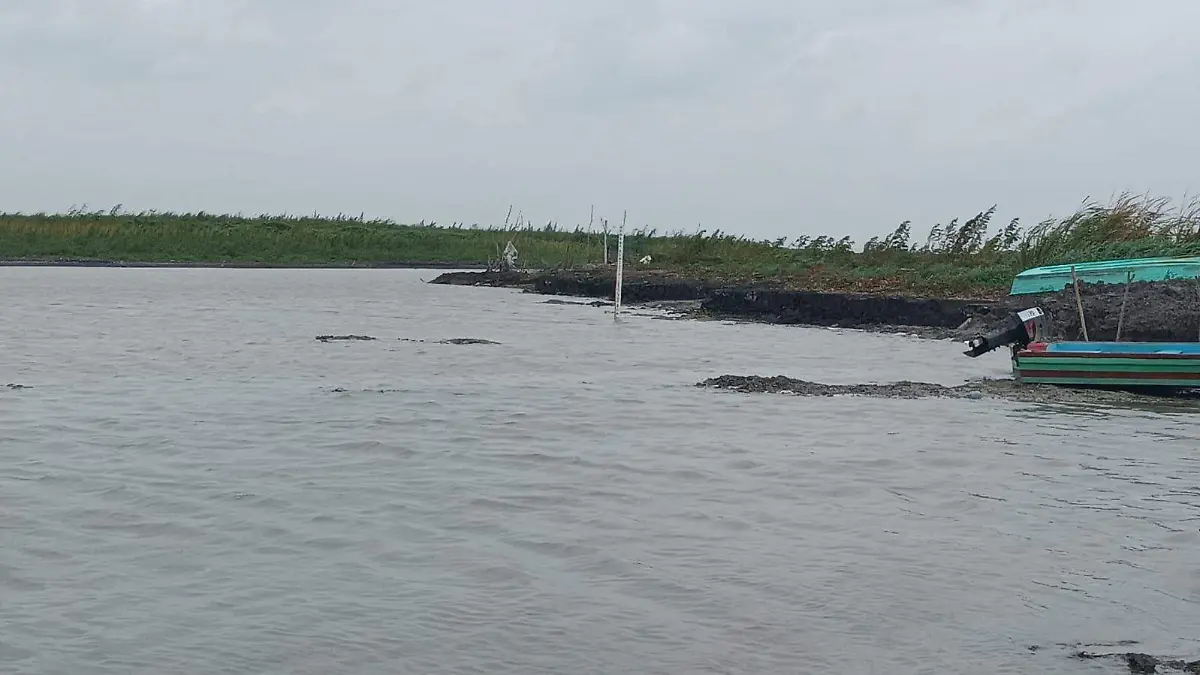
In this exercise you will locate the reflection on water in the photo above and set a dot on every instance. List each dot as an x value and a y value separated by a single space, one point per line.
193 483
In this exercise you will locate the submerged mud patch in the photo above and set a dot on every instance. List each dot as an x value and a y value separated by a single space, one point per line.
454 341
1145 663
780 384
1007 389
579 303
447 341
343 390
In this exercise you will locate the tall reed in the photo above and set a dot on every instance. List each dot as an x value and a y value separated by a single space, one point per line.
970 256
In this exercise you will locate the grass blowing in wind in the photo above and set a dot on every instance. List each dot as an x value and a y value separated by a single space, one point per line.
972 257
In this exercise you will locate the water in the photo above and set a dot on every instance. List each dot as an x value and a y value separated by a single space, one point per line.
193 484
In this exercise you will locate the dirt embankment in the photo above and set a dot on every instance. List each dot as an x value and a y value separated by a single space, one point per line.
751 302
848 310
1163 311
487 278
599 284
635 289
1155 311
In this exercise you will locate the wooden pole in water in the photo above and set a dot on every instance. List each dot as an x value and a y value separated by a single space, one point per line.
1079 305
1124 299
620 267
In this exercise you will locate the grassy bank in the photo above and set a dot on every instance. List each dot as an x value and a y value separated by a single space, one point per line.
971 257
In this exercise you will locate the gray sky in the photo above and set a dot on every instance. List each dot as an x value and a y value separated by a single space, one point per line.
762 117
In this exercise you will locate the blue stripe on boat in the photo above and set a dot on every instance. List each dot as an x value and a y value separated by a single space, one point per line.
1124 347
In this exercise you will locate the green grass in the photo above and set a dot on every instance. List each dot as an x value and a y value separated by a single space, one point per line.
282 240
967 258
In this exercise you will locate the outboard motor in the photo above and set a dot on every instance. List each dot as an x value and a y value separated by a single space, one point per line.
1019 330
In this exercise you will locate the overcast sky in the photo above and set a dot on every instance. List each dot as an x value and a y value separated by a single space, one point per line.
763 117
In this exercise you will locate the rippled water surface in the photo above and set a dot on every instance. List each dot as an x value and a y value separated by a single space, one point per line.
193 484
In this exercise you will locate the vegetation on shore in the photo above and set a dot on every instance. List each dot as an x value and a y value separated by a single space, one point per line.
967 258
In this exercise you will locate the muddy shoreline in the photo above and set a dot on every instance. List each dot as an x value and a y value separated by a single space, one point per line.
934 318
1154 311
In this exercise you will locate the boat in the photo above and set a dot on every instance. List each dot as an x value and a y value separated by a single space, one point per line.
1107 365
1053 278
1158 365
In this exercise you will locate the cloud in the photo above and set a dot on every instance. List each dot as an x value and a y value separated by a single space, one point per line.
981 76
768 117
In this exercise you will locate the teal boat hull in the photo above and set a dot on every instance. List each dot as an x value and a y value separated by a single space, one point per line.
1140 365
1053 278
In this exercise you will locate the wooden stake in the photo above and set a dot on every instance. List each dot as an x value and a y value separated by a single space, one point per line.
1124 298
1079 305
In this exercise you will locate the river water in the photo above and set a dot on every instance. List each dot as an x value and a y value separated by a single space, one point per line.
192 484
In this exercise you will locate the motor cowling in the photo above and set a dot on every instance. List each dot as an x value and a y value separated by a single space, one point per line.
1018 330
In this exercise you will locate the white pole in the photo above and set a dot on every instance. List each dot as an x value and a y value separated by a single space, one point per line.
620 269
605 221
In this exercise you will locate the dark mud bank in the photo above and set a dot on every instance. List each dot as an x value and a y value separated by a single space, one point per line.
584 284
633 290
486 278
848 310
587 284
1154 311
756 303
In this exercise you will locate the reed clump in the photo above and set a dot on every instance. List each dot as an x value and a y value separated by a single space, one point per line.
971 257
